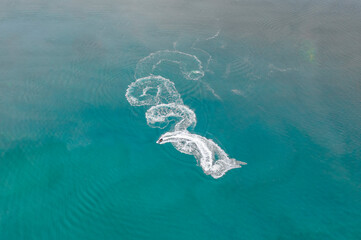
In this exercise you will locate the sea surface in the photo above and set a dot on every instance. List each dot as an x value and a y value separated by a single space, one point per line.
280 91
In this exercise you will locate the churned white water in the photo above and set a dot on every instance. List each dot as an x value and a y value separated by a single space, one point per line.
167 104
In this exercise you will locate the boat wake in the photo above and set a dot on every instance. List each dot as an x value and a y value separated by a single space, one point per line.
161 113
190 65
213 160
167 106
152 90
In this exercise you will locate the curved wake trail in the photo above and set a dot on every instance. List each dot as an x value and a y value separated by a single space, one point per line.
160 114
152 90
190 65
213 160
167 104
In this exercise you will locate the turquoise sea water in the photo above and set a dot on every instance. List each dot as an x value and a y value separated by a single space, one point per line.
281 91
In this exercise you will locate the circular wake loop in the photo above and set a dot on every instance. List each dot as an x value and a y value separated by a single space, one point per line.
190 65
159 115
167 106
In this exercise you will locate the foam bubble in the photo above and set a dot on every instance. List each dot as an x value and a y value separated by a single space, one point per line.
213 160
152 90
160 116
190 65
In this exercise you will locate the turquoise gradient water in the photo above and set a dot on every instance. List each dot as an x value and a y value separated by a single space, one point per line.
281 92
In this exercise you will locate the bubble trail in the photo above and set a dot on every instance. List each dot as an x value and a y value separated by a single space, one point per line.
152 90
190 65
167 105
213 160
161 114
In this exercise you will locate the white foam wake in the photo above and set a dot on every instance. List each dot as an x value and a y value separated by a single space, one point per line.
213 160
190 65
167 105
160 116
152 90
